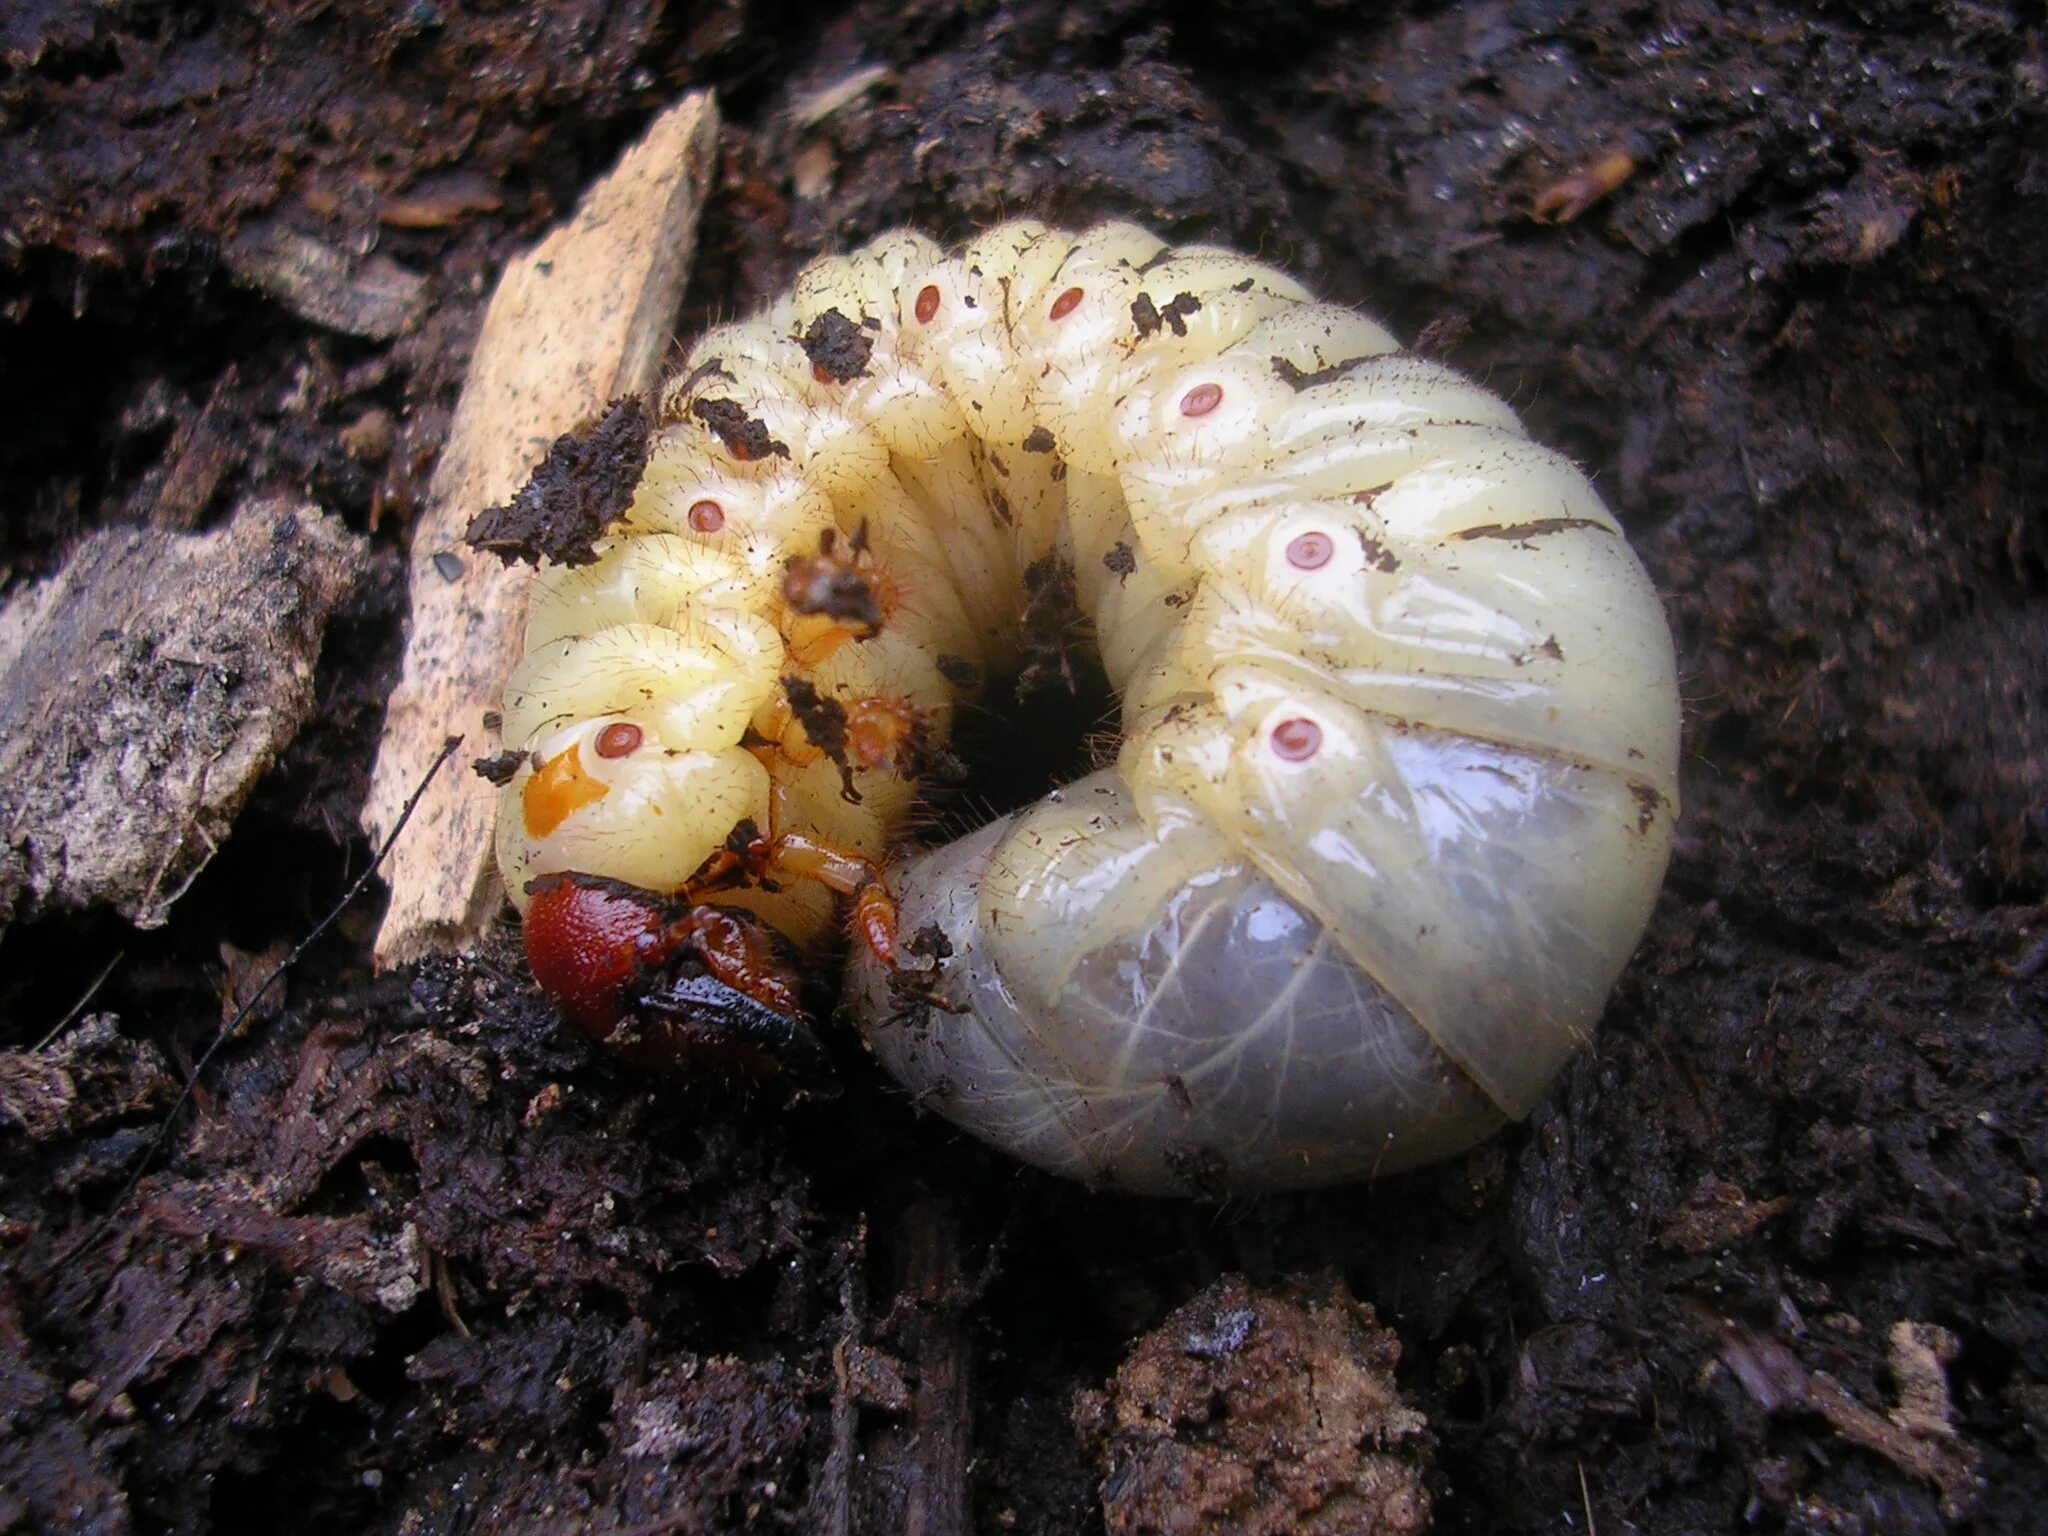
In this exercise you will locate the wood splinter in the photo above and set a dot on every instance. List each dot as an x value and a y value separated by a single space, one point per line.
579 321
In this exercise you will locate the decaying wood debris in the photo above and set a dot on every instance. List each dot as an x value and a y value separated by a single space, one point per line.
1252 1414
143 691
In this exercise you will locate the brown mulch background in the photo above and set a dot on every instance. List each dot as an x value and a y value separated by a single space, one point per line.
417 1262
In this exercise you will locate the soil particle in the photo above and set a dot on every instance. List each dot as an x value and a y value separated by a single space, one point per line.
823 719
685 1443
744 437
837 347
835 584
1149 318
500 768
1257 1413
1050 622
89 1074
581 488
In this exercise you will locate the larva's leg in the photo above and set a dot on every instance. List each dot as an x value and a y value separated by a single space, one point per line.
874 922
813 638
802 856
782 855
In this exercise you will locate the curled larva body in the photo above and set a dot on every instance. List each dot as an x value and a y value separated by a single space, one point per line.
1400 720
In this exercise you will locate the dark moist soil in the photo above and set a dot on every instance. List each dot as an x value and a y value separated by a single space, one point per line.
416 1261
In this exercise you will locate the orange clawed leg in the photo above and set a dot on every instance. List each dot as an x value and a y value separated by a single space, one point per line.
799 855
874 923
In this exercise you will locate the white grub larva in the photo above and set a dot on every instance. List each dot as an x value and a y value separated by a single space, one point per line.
1400 722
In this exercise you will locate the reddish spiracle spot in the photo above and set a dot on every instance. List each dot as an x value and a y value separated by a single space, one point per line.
621 738
1310 551
706 517
822 374
586 944
1066 304
1297 740
927 304
1201 400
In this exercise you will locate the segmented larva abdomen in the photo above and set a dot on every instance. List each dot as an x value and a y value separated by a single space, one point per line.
1398 771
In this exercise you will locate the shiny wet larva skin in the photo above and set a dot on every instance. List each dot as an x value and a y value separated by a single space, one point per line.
1400 722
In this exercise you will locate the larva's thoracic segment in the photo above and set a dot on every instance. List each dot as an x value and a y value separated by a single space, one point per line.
1396 788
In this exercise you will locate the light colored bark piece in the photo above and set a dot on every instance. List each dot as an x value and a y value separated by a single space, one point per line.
376 298
144 689
576 323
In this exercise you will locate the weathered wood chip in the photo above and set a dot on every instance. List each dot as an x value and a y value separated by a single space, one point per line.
375 298
144 689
